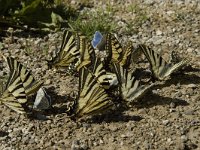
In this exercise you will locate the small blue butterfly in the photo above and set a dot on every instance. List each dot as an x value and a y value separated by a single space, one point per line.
97 39
42 100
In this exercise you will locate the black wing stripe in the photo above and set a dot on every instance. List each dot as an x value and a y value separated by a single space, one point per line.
13 72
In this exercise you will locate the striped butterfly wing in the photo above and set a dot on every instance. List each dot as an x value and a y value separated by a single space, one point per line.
117 50
14 95
106 79
92 97
30 85
13 67
86 52
126 56
129 86
68 52
113 48
160 68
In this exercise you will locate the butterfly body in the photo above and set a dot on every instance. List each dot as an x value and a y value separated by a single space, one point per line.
105 79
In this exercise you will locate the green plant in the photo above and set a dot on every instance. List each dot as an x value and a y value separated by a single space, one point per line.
35 13
89 22
133 8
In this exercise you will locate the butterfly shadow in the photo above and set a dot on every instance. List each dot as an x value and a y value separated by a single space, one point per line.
114 116
185 76
184 79
3 133
56 99
189 68
155 100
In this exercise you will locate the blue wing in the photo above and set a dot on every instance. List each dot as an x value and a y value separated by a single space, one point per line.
97 39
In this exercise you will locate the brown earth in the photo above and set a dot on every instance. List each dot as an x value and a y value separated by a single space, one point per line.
167 117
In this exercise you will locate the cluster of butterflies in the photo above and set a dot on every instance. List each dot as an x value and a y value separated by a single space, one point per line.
102 79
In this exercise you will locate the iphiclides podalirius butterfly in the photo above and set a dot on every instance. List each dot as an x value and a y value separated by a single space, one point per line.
13 94
92 98
68 53
30 84
129 87
42 100
86 52
160 68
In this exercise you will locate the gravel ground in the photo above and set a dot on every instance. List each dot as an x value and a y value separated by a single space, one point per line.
168 117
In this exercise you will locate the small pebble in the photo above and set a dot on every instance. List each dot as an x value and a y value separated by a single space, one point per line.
189 112
165 122
184 138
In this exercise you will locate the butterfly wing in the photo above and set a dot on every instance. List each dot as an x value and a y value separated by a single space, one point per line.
110 44
126 56
42 100
130 87
96 39
170 68
30 84
117 50
86 52
106 79
68 52
92 98
160 68
113 48
14 95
